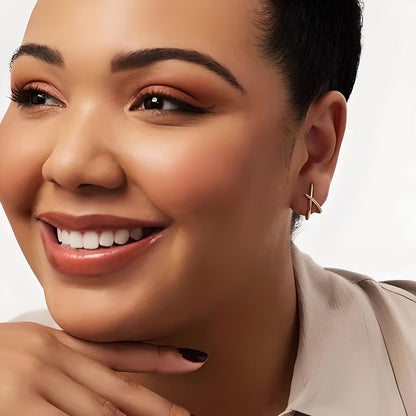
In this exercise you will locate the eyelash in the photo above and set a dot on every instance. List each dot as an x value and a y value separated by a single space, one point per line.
24 96
163 94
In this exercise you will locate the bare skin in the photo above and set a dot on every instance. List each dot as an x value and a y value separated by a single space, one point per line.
221 280
46 372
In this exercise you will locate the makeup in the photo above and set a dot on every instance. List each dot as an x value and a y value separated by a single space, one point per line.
101 258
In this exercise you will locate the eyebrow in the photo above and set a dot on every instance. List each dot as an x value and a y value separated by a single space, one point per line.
145 57
42 52
134 60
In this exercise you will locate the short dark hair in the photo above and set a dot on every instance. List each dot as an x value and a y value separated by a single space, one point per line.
315 44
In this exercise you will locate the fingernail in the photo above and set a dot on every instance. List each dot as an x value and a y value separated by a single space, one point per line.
193 355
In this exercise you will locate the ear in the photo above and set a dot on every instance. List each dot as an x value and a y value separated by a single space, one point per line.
317 149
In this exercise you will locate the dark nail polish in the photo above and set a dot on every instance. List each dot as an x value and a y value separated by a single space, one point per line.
193 355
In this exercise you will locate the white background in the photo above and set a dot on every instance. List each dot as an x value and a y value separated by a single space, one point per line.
369 220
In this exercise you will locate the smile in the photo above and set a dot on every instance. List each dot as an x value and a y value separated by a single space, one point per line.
95 245
92 240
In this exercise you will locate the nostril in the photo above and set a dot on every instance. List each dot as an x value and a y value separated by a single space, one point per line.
84 166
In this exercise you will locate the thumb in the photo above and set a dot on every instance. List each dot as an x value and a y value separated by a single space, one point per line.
136 356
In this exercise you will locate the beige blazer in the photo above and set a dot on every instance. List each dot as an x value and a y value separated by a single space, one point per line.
357 343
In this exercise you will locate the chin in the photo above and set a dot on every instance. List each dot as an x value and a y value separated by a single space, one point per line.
98 325
88 327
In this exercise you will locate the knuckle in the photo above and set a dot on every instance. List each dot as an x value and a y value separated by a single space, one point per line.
175 410
29 374
9 395
159 357
128 383
108 409
37 338
21 331
30 365
164 354
22 378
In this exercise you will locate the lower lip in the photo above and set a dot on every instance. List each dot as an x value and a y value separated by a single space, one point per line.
101 261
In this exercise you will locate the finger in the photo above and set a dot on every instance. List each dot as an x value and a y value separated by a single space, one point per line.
127 396
134 356
44 409
72 398
34 406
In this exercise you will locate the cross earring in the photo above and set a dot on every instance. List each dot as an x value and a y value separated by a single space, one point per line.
313 201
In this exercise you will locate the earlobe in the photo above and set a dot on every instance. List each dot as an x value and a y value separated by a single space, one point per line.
323 131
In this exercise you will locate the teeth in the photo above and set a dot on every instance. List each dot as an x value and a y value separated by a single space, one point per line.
122 236
91 240
59 235
65 238
75 239
107 239
136 234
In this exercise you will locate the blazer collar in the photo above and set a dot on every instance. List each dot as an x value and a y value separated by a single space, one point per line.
342 366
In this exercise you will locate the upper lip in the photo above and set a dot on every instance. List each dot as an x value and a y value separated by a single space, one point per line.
95 222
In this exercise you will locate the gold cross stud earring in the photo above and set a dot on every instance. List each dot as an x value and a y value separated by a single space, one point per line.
313 201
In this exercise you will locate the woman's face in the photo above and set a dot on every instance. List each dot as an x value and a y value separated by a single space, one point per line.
108 124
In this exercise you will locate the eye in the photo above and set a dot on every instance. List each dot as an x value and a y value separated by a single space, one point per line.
34 97
163 102
157 102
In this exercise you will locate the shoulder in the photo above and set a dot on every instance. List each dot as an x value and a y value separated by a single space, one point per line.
392 302
394 305
399 296
370 324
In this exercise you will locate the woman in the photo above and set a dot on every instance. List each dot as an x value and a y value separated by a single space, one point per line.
160 150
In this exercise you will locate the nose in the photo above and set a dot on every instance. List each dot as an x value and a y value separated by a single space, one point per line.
83 154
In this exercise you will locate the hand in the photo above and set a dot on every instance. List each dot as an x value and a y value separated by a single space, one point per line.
47 372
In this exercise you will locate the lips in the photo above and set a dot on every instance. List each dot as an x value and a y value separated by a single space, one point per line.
95 222
100 261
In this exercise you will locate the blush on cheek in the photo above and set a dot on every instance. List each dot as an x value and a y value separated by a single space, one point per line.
20 166
199 178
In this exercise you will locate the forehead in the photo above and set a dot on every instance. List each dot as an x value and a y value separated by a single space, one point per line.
221 26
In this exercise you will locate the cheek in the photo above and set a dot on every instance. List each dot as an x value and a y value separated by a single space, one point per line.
21 159
21 155
197 170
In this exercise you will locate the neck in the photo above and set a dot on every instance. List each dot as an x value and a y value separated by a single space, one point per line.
251 344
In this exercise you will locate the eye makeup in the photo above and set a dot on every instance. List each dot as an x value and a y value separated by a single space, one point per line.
164 99
33 97
156 99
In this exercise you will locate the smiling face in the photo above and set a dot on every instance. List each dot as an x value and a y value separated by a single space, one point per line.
193 138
